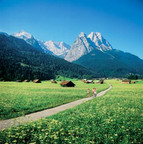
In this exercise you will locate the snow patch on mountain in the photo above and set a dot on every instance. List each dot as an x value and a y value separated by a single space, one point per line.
80 47
101 43
59 49
23 35
85 44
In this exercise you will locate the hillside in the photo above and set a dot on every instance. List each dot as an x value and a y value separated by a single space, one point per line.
19 60
113 63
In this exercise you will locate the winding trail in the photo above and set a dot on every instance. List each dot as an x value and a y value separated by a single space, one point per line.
45 113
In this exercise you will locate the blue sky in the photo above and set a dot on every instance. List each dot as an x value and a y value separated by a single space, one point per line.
120 22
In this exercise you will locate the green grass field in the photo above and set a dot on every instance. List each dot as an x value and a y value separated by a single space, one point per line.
114 118
18 99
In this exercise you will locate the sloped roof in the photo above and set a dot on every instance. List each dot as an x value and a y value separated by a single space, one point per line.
65 82
36 80
126 80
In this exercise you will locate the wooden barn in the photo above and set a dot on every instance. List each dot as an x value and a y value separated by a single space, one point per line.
101 81
26 80
37 81
83 80
133 82
67 84
53 81
126 81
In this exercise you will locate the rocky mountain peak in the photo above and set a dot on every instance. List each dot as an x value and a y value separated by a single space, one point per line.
82 34
23 35
99 41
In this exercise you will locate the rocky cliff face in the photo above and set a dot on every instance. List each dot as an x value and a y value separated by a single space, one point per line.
80 47
101 43
85 44
59 49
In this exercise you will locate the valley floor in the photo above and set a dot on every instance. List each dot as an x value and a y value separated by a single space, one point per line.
45 113
17 99
114 118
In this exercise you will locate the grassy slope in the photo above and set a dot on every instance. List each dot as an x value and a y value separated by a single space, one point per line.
113 118
113 63
17 99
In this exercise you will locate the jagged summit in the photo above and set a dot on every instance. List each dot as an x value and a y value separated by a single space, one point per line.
59 49
80 47
99 41
23 35
83 45
30 39
92 34
82 34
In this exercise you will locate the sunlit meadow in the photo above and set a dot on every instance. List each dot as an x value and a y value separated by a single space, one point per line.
115 117
18 99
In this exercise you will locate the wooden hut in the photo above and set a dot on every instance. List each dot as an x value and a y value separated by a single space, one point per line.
133 82
101 81
83 80
26 80
37 81
125 81
53 81
67 84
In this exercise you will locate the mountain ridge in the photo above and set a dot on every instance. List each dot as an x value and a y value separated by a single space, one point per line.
113 63
85 44
86 50
58 49
19 60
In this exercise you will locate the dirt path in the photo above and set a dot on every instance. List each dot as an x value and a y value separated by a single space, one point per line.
45 113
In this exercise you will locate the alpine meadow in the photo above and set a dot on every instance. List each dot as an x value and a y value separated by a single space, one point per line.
113 118
71 72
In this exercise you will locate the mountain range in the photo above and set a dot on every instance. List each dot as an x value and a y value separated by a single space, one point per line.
92 51
20 60
59 49
96 53
85 44
22 56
